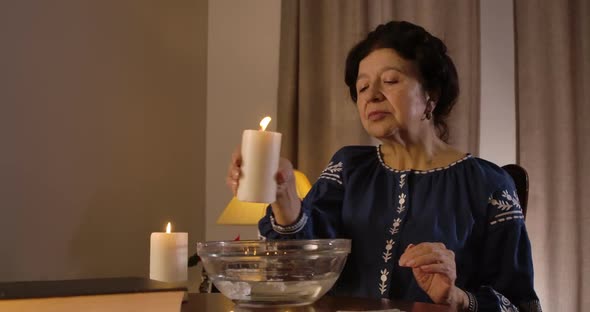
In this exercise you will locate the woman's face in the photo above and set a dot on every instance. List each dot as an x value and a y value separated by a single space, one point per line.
390 98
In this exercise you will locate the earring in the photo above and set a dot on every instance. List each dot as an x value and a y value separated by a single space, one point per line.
428 112
427 116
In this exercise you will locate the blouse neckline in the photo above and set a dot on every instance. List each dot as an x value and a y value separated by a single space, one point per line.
467 156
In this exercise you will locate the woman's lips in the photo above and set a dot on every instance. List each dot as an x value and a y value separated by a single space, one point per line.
373 116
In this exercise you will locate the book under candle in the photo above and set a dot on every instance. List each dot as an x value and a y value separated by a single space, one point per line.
127 294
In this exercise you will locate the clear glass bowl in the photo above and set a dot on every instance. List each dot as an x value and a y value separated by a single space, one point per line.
274 273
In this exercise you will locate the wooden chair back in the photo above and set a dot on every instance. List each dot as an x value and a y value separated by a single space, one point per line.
521 181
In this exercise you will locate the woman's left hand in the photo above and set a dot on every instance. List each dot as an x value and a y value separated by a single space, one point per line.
434 269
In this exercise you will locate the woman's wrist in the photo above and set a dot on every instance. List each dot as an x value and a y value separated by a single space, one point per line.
287 207
286 216
459 299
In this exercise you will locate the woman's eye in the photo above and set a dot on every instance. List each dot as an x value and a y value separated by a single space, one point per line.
361 89
390 81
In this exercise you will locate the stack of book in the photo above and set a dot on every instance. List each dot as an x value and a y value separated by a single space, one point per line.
127 294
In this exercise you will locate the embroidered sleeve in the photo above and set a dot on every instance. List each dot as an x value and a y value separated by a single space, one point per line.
333 172
504 206
291 229
488 299
505 273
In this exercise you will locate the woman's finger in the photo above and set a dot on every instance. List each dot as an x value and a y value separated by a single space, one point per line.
413 251
233 171
232 184
236 156
440 268
420 260
412 255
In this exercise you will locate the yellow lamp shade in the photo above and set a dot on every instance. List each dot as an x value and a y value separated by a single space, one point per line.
244 213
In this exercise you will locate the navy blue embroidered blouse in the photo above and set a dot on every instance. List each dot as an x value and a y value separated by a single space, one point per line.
471 206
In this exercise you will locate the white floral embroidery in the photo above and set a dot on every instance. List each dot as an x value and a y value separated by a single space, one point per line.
383 283
332 168
509 207
395 226
333 172
393 230
505 205
505 304
402 201
387 252
512 198
501 204
507 195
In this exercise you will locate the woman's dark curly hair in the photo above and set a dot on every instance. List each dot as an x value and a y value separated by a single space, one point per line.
413 43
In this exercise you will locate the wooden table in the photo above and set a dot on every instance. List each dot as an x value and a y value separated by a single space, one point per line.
218 303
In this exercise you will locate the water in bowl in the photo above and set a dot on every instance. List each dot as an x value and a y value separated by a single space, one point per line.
254 293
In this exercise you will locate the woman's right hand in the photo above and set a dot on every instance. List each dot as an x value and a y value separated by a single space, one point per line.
287 207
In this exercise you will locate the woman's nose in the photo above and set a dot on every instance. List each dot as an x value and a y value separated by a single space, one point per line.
375 95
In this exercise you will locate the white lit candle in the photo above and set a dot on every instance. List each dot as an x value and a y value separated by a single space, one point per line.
168 256
260 161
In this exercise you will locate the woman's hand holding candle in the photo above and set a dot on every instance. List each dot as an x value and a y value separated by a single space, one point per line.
287 206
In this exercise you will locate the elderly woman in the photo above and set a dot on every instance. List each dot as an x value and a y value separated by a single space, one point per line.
427 222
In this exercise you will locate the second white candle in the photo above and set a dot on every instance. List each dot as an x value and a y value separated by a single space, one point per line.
260 162
169 256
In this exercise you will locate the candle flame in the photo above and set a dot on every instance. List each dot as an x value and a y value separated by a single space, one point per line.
264 123
168 228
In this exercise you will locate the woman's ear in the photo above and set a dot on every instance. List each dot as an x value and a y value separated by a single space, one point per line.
430 102
432 99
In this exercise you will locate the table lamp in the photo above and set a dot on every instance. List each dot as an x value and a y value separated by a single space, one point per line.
245 213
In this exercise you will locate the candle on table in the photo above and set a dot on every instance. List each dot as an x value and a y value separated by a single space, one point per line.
260 161
168 256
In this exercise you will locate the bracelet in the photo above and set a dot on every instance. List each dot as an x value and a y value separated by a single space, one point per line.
290 229
472 302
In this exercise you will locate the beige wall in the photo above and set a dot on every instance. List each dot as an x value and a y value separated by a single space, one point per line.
242 82
102 129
